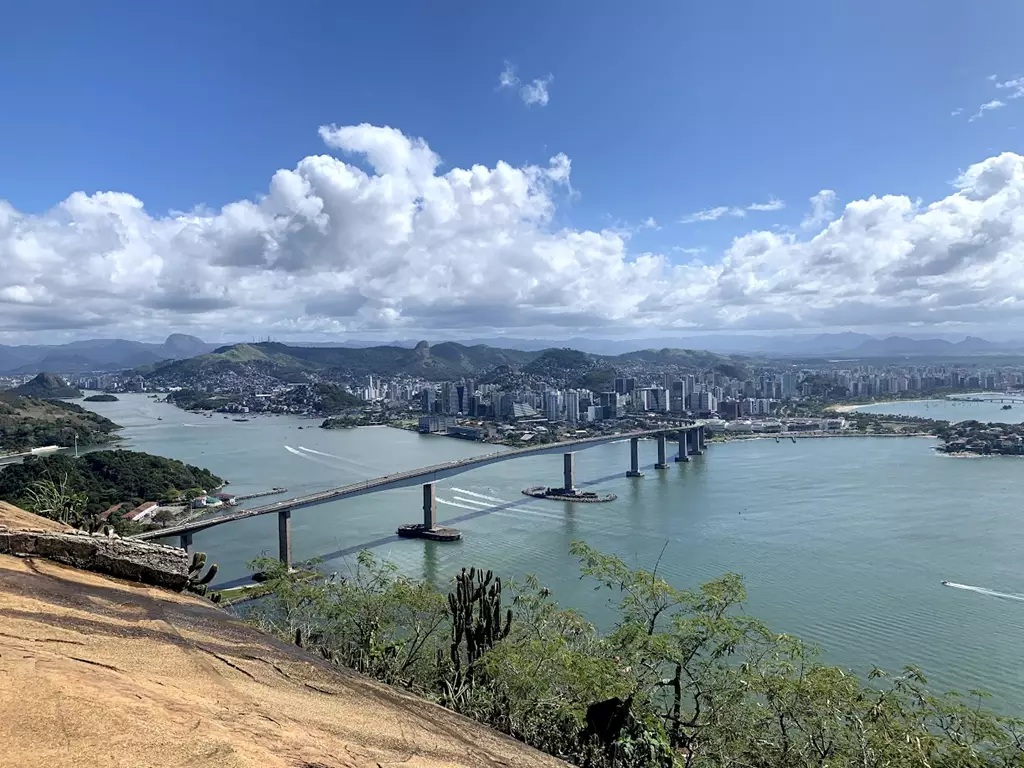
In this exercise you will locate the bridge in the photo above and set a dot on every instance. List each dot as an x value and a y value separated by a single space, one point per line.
691 440
966 399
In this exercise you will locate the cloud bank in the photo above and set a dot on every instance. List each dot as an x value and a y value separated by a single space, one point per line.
407 250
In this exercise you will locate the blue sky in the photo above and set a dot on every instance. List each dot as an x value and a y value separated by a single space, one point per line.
664 108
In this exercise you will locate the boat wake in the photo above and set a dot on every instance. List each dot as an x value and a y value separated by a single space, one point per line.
983 591
307 457
336 458
479 495
318 453
453 504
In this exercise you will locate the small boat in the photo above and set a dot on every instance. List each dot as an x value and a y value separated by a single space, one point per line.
945 583
1006 408
239 419
159 418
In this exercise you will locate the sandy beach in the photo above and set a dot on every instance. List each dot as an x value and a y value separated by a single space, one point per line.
848 408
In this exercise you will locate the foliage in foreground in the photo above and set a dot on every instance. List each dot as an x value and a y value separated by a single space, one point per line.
684 678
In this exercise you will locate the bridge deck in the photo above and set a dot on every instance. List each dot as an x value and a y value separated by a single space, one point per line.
403 479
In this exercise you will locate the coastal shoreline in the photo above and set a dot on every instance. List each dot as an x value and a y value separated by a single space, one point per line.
816 436
854 407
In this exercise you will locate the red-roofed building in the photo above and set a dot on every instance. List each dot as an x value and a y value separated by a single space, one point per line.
144 510
108 512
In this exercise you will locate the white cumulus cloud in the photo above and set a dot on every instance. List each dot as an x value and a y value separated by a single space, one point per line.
821 210
399 245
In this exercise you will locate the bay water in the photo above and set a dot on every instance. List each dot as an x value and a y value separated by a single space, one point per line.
842 541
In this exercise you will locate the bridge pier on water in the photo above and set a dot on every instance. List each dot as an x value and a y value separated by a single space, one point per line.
684 452
634 458
284 536
185 541
662 452
569 471
429 506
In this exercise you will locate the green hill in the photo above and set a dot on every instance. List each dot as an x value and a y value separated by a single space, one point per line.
27 422
49 387
440 362
106 477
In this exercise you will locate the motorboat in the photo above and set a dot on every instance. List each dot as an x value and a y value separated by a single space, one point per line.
945 583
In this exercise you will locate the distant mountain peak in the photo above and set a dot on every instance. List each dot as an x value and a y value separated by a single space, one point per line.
47 386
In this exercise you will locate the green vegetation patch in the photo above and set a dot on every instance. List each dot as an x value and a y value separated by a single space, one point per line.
106 478
28 422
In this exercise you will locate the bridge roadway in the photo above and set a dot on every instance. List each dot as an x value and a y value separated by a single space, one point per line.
410 477
966 399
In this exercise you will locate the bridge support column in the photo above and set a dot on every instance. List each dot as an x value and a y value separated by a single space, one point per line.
429 506
700 439
284 537
569 471
662 452
684 453
634 458
185 542
695 441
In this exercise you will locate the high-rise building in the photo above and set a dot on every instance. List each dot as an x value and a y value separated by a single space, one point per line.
449 398
428 397
552 408
572 406
657 400
788 384
677 398
505 401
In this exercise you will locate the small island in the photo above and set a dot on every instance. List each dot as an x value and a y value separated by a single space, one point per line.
345 422
103 397
569 494
974 438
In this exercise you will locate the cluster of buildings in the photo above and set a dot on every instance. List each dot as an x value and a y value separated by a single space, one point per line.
700 395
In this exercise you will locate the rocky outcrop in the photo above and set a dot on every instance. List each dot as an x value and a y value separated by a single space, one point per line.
96 672
138 561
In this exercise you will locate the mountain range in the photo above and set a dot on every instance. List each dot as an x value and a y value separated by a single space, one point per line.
445 361
847 343
97 355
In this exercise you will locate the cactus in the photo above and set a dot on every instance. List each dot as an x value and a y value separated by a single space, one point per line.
198 581
477 624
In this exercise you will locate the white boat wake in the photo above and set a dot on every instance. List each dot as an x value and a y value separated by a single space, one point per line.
983 591
353 462
318 453
462 506
479 495
491 501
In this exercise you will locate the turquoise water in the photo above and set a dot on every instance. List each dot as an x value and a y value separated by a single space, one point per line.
951 410
842 541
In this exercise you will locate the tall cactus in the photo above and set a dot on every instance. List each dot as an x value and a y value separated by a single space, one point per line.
197 580
476 612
